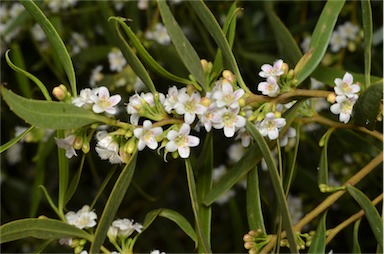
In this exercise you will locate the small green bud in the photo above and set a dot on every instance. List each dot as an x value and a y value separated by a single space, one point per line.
78 249
78 143
85 148
60 92
228 75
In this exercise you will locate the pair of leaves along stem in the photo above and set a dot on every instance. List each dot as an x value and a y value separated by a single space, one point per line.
55 115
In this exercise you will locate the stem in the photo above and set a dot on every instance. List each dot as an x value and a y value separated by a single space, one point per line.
333 232
329 200
326 121
284 97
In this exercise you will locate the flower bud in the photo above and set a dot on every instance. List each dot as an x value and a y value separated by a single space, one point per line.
78 249
123 155
248 238
285 68
227 74
205 101
331 98
351 46
43 217
291 74
253 251
277 114
241 102
249 245
207 66
130 146
78 143
60 92
85 148
190 89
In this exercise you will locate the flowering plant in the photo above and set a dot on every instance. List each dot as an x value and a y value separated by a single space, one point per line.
269 132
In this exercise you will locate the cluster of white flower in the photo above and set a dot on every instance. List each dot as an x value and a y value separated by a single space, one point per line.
118 233
159 34
346 97
116 60
342 35
221 108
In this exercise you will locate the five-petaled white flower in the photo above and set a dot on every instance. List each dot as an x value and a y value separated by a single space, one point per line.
84 99
67 144
345 86
147 135
84 218
229 120
172 98
270 126
181 141
268 70
189 106
104 102
226 97
344 106
270 87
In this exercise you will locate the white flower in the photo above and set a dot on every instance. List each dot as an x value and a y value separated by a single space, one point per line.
344 106
13 154
84 99
346 86
229 120
84 218
235 152
291 133
227 97
96 75
172 98
205 119
78 42
304 45
348 30
160 34
218 173
272 71
116 60
38 33
142 4
337 41
16 9
189 106
103 102
181 141
147 135
107 148
67 144
245 137
269 88
270 126
84 252
124 227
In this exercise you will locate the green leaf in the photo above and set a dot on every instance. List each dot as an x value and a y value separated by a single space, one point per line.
203 245
131 57
183 47
39 84
22 80
173 216
55 40
42 247
148 59
368 106
50 114
356 246
63 174
13 141
288 48
276 183
319 39
323 165
319 239
217 34
41 229
371 213
113 204
254 210
366 14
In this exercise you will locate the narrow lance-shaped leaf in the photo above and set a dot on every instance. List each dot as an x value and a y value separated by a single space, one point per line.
276 183
39 84
323 165
318 242
55 40
366 14
254 210
113 204
174 216
10 143
356 246
41 229
371 213
319 39
50 114
288 47
63 174
183 47
131 57
148 59
217 34
203 245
